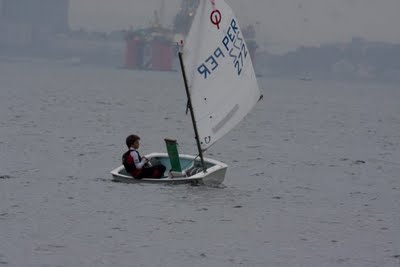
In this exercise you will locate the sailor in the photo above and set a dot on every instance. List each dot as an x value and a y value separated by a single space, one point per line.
139 167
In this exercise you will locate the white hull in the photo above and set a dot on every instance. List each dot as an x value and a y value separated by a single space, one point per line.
215 171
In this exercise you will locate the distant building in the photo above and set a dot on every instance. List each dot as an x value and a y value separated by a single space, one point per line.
53 13
26 22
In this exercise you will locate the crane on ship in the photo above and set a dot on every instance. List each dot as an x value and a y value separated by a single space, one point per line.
183 19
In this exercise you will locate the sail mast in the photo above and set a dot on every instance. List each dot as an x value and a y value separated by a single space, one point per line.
191 111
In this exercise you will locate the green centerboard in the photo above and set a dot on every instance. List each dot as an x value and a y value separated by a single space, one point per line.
172 149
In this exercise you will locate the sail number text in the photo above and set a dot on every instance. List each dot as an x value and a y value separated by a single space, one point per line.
233 45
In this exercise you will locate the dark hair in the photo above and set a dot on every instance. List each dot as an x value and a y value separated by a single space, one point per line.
131 139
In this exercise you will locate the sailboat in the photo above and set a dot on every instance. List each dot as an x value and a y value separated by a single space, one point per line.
221 89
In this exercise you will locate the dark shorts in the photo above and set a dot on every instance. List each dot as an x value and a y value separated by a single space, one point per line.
156 171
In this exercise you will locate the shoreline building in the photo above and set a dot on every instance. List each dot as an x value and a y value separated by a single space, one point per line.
26 23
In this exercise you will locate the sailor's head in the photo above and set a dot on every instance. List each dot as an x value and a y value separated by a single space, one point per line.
132 141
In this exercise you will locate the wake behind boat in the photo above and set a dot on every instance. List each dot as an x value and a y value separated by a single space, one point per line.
221 89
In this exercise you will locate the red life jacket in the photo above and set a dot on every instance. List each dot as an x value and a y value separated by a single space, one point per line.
129 163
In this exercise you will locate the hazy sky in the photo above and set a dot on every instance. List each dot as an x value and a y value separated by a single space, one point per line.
283 22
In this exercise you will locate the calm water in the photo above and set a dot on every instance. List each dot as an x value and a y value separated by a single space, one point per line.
313 177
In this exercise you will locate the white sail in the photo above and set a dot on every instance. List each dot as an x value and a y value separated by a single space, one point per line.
219 71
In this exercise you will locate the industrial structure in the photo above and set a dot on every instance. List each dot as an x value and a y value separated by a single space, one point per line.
150 48
154 48
31 28
183 19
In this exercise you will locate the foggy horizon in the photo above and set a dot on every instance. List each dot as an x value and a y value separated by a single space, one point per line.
306 22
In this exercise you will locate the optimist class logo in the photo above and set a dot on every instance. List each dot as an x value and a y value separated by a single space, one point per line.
215 16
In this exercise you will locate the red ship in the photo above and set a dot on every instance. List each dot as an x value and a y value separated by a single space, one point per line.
154 48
